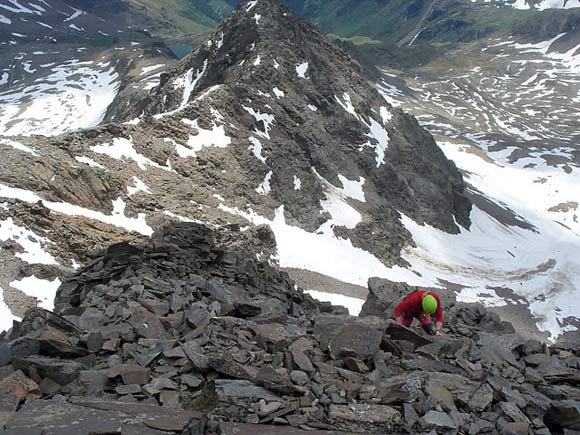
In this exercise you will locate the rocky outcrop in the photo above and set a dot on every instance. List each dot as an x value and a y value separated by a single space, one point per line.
182 336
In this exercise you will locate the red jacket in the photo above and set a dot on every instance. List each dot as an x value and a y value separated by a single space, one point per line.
412 306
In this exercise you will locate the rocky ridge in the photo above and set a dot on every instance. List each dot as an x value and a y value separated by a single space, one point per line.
179 335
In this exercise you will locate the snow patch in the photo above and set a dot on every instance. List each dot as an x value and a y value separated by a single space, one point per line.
148 69
264 118
214 137
301 70
18 146
88 161
138 186
352 188
256 148
41 289
264 188
378 132
297 183
6 316
278 93
188 82
347 104
31 243
121 149
117 218
342 213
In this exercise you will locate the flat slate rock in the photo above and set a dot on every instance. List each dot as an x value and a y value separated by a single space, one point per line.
152 416
261 429
62 418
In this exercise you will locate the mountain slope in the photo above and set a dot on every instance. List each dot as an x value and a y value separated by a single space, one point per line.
267 122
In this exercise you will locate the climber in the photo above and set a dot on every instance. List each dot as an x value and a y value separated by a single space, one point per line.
421 305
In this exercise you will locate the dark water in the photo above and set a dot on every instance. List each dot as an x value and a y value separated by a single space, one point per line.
180 50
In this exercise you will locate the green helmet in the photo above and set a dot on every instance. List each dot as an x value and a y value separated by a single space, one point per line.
429 304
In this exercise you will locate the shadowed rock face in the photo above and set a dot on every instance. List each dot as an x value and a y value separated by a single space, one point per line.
181 336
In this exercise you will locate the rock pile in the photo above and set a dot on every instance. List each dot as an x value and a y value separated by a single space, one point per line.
181 336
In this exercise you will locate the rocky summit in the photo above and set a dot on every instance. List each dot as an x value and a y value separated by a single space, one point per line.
181 336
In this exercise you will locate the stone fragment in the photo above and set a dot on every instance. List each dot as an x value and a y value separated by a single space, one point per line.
513 412
363 340
191 381
229 428
130 374
268 408
174 353
153 416
49 387
400 332
92 417
147 324
60 371
411 416
364 417
271 337
303 362
299 378
437 420
563 414
441 396
158 384
356 365
21 386
232 390
94 382
123 390
537 359
399 389
169 399
196 355
480 426
246 309
197 317
481 399
515 429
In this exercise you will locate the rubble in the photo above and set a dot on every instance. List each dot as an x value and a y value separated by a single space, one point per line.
167 338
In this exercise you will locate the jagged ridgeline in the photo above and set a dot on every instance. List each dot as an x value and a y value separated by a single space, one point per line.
182 336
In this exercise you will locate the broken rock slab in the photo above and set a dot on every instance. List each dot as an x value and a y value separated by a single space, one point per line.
400 332
60 371
232 390
63 418
438 421
363 340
